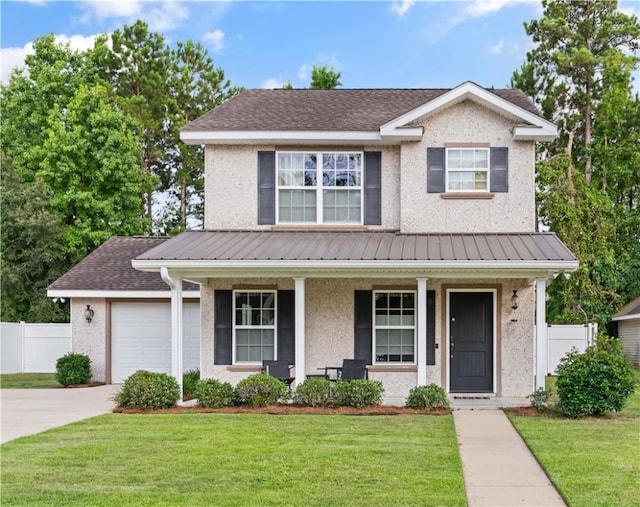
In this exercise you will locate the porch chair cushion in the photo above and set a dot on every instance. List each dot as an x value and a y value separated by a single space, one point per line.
279 369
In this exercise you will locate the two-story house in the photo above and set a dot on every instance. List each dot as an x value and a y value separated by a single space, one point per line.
394 225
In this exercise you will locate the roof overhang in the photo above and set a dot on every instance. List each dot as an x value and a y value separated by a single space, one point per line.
117 294
632 316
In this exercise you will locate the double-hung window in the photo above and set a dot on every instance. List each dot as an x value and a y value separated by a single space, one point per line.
467 169
394 326
319 187
254 326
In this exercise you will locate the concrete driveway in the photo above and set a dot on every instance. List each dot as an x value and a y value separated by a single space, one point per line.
30 411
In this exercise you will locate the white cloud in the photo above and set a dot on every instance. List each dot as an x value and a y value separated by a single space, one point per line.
304 72
480 8
497 48
401 8
13 57
271 83
166 16
102 9
215 38
160 16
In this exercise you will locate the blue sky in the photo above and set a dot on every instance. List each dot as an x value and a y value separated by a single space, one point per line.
375 44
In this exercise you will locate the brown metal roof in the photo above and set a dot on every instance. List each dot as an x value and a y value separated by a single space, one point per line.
631 308
108 267
345 110
231 245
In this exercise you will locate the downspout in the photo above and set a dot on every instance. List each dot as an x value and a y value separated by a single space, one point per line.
176 326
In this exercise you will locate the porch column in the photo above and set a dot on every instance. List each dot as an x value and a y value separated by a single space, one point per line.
421 331
300 338
175 284
541 333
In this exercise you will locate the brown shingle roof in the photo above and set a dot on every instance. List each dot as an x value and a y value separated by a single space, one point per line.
345 110
108 267
359 245
631 308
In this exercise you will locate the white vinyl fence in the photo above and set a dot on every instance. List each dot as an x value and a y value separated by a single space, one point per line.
32 348
562 338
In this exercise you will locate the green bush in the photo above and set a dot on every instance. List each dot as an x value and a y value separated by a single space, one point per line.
73 369
427 397
540 399
316 392
213 393
189 381
145 389
359 393
260 390
598 381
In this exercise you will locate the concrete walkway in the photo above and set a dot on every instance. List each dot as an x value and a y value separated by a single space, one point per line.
30 411
498 468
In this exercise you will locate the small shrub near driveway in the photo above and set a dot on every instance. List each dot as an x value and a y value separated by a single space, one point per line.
189 380
212 393
145 389
316 392
73 369
430 397
260 390
598 381
540 399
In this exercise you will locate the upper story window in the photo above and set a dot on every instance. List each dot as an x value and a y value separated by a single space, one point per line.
467 169
319 187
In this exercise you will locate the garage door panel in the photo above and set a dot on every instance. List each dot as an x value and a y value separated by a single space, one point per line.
141 338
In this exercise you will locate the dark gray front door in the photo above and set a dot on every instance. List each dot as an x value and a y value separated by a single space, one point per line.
471 341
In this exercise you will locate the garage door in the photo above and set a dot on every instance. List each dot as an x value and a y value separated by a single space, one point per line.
141 338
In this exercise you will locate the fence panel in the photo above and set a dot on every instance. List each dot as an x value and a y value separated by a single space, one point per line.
11 348
562 338
33 348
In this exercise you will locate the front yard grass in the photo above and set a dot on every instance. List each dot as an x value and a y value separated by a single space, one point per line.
28 381
592 461
233 459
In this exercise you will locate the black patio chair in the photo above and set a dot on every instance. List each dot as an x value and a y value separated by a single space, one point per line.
351 369
279 369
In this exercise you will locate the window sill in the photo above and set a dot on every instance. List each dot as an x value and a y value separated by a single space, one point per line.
245 367
409 368
319 227
467 195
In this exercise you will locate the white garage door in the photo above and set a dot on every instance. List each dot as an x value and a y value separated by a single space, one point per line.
141 338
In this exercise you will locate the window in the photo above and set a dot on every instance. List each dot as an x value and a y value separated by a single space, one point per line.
254 326
319 187
394 327
467 169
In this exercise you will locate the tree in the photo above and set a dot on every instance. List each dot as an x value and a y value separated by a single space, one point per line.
325 78
579 74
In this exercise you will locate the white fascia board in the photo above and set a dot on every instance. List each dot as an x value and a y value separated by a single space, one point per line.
535 133
477 94
117 294
632 316
278 136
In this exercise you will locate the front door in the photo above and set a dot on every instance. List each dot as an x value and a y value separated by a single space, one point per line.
471 342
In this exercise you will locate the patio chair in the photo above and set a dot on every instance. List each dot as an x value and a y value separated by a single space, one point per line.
280 370
351 369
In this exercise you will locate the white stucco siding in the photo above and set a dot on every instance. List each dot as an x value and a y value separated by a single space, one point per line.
90 338
467 122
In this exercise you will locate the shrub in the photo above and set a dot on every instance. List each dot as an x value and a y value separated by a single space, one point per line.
260 390
598 381
316 392
427 397
145 389
73 369
359 393
540 399
213 393
189 381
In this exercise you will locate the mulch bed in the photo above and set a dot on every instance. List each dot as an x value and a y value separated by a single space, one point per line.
90 384
287 410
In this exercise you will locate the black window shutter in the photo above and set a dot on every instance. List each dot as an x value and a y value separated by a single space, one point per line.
223 319
363 321
266 187
499 170
435 170
431 327
287 326
372 188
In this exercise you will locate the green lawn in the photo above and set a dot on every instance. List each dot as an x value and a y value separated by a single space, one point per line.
232 459
594 461
28 380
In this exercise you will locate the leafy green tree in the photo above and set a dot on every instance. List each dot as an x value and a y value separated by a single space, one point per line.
579 74
325 78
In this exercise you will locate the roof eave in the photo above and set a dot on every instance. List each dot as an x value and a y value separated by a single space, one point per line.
631 316
198 137
117 294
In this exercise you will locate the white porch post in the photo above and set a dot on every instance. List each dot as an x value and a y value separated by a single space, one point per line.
175 284
300 338
541 333
422 332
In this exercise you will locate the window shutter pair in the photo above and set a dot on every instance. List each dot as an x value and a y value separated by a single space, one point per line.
363 326
223 326
372 189
499 170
